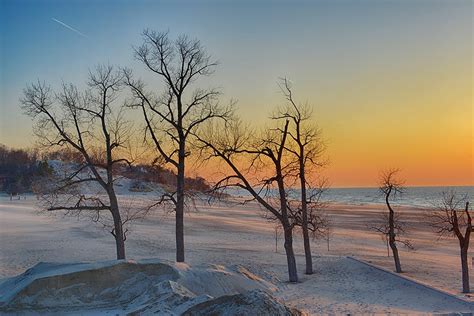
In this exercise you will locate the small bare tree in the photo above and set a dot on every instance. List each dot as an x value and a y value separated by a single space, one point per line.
328 232
382 226
174 115
453 218
307 149
317 220
319 223
277 229
89 124
234 145
390 187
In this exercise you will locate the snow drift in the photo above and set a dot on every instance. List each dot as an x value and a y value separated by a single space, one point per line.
254 302
143 287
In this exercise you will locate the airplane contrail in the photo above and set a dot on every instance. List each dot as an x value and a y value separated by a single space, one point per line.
69 27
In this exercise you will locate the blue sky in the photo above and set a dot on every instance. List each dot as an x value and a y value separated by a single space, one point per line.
354 60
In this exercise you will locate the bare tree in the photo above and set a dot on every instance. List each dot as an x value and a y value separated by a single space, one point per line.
390 187
319 223
277 229
382 226
328 232
307 149
450 219
174 115
234 145
89 124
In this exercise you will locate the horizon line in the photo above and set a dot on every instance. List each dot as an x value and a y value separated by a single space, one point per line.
406 186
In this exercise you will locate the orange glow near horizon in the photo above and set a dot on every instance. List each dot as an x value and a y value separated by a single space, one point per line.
418 120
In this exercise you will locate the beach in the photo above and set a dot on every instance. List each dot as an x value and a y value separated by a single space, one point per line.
231 234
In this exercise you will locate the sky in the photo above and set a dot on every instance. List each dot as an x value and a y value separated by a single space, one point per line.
390 82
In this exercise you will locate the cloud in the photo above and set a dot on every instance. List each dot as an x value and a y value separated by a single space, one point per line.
69 27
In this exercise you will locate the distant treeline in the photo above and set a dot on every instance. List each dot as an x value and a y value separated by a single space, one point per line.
19 168
158 174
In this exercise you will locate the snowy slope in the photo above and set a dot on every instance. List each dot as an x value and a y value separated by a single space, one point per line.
120 287
123 185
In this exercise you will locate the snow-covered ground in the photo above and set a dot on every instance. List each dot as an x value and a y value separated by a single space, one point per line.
236 236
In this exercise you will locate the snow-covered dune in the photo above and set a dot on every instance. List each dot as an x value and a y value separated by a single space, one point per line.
146 287
122 185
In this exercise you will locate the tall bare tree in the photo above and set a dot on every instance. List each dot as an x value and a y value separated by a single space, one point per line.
245 154
391 186
453 218
172 116
307 148
90 124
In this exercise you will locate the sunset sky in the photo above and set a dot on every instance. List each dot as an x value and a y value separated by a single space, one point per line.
390 81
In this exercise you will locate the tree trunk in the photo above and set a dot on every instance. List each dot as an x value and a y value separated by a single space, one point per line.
392 243
307 248
118 227
119 240
180 207
465 270
304 211
276 238
396 258
115 211
306 241
290 255
391 235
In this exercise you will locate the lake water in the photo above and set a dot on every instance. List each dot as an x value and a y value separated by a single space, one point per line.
412 196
